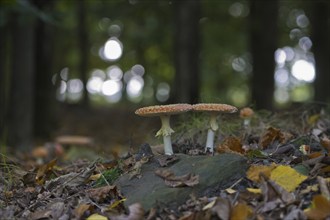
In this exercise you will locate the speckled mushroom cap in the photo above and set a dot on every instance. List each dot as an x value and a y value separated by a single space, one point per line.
158 110
213 107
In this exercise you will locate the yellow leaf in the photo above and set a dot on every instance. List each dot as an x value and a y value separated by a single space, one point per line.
95 176
320 208
241 211
255 170
116 203
230 190
313 119
209 205
253 190
97 217
287 177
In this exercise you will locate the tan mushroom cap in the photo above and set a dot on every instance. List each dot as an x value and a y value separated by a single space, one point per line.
246 112
213 107
158 110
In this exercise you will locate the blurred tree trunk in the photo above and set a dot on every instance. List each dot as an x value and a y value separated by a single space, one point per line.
3 79
45 96
83 44
186 42
20 112
320 22
263 42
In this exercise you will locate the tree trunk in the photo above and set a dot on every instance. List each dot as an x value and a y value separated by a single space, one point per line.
45 97
186 42
83 48
20 112
3 80
263 40
320 22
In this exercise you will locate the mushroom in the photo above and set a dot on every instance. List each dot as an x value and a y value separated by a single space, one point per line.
164 112
213 110
246 114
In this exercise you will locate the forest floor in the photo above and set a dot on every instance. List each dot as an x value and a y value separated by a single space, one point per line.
74 175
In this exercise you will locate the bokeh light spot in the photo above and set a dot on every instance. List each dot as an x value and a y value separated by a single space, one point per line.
303 70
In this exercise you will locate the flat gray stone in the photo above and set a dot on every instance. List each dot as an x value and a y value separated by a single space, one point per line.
215 172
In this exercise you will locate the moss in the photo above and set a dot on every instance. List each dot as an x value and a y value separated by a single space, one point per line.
108 177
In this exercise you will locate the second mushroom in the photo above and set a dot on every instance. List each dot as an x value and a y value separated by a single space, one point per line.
214 110
164 112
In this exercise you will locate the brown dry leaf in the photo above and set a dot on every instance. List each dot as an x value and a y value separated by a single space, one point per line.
320 208
273 134
272 191
136 212
222 208
233 144
255 171
81 209
101 193
71 179
315 155
165 160
44 170
241 211
325 142
177 181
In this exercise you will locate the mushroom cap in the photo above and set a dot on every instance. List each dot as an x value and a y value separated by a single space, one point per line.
159 110
214 107
246 112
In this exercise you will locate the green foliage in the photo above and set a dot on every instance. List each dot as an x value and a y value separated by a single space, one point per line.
108 177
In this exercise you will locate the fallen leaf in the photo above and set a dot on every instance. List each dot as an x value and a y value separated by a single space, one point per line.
313 119
97 217
209 205
287 177
273 134
230 191
253 190
101 193
177 181
320 208
222 208
325 142
81 210
255 171
95 177
272 191
231 144
44 170
116 203
71 179
241 211
165 160
136 212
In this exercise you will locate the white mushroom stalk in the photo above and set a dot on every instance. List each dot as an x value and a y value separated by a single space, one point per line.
211 132
166 132
164 112
213 110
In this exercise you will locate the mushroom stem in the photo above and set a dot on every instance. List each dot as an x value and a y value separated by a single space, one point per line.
209 141
166 132
167 145
213 122
166 128
246 122
210 133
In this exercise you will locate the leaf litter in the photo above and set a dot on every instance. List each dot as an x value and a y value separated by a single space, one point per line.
288 177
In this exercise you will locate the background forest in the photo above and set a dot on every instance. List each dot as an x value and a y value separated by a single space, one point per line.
56 55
